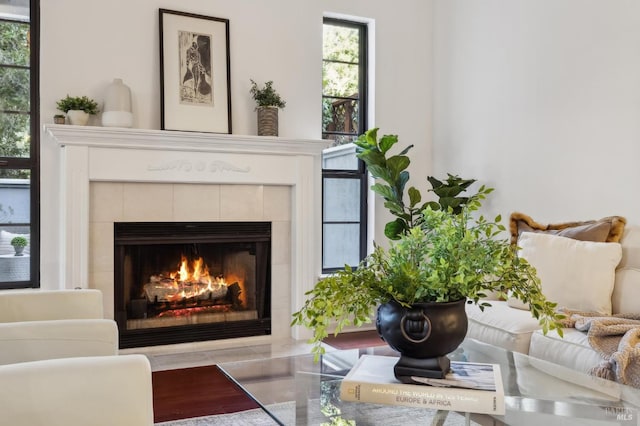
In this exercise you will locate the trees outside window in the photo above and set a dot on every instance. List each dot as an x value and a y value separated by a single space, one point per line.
344 100
19 148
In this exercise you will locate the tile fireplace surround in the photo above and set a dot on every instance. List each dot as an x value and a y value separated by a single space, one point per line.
109 175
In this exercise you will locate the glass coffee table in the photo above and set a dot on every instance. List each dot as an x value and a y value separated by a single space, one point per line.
298 391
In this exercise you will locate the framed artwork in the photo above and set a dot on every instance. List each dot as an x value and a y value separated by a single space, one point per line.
195 83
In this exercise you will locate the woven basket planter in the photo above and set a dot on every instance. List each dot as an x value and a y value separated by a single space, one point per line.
267 121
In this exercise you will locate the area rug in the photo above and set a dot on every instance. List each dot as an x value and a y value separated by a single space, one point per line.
368 414
255 417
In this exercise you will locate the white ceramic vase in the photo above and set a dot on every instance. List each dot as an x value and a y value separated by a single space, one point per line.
77 117
117 105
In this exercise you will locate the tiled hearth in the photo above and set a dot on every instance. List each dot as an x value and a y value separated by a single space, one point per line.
111 175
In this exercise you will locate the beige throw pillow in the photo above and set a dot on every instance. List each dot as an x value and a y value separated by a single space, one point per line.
608 229
574 274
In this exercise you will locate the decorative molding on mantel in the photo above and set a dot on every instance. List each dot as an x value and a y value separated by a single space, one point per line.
169 140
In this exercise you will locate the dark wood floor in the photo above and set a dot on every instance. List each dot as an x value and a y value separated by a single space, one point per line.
204 391
194 392
355 340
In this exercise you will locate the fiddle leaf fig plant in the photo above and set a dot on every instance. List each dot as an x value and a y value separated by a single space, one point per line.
392 178
437 256
448 192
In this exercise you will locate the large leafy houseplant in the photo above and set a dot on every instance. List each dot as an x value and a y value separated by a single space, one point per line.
392 176
437 254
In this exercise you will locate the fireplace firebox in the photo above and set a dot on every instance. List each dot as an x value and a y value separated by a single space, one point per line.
178 282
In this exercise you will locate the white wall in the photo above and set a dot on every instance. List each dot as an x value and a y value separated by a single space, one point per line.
541 99
85 44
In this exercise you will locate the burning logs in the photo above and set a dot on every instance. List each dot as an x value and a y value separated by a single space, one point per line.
167 289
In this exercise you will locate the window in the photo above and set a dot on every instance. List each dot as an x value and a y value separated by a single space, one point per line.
19 147
344 177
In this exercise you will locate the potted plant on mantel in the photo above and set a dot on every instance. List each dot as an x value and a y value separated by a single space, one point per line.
78 108
268 102
436 258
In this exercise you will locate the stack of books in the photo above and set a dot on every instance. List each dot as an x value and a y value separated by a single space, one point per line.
469 387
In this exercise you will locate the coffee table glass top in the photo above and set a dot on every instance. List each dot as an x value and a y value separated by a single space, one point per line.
298 391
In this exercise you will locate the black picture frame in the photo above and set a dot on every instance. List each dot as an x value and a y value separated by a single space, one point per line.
195 75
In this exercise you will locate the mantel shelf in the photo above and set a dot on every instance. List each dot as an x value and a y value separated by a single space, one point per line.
111 137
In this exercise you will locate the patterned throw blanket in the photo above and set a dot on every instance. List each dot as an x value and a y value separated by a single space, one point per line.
616 338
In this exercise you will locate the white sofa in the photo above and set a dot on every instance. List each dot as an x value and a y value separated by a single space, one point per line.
97 391
515 329
39 324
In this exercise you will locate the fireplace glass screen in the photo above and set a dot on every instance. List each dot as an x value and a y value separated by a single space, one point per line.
186 282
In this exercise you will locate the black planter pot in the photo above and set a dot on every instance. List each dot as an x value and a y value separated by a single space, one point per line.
423 334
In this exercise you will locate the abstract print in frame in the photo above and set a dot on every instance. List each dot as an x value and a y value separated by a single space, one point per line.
195 86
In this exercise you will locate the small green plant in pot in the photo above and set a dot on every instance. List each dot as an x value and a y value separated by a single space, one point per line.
435 257
78 108
268 102
19 243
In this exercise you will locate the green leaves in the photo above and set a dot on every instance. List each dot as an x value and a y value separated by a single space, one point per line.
414 197
80 103
266 96
394 229
386 142
392 175
449 190
395 166
439 252
344 298
14 93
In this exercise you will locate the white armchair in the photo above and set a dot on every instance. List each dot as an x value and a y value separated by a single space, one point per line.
97 391
38 324
57 363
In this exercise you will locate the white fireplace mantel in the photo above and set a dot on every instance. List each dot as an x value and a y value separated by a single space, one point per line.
97 154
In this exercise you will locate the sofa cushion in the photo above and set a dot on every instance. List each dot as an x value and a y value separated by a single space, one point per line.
38 340
575 274
572 350
541 379
42 305
626 291
630 247
609 229
502 326
97 391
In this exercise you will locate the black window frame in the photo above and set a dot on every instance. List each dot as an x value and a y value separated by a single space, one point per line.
360 173
32 163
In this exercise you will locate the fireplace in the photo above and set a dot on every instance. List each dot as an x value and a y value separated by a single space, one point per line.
179 282
111 175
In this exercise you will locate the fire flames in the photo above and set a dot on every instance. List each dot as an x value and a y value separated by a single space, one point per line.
188 282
